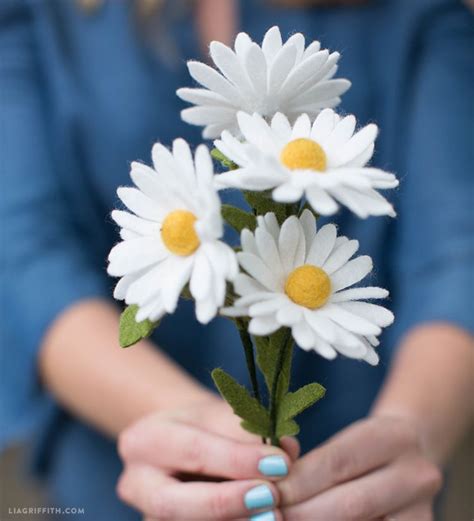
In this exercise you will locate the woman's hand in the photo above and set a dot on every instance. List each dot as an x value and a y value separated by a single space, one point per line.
373 470
198 463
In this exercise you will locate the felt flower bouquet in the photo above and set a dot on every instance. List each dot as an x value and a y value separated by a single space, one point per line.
294 158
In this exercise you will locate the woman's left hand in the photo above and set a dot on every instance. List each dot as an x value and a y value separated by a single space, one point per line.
373 470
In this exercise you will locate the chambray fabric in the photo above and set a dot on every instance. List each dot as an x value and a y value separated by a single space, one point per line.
82 95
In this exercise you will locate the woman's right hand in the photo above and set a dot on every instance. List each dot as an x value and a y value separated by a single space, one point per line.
198 464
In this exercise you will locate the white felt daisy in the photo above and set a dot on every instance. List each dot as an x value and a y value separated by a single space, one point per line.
325 161
172 236
301 278
275 77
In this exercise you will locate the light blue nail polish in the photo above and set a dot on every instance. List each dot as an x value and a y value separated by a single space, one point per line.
264 516
273 466
259 497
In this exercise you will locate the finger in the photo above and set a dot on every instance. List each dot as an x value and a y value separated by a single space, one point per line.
389 489
420 512
291 446
164 498
179 447
359 449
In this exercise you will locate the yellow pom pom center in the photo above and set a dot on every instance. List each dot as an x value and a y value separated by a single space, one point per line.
304 154
178 233
308 286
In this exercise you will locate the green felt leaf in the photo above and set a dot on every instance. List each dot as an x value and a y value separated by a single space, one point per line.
287 428
237 218
222 159
130 331
295 403
261 430
262 203
268 349
243 405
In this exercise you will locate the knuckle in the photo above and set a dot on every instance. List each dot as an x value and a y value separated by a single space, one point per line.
125 443
122 488
407 435
193 455
238 461
219 505
340 464
431 478
357 506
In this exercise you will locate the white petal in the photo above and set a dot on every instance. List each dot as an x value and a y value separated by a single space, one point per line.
351 273
340 255
376 314
359 294
206 310
289 314
255 267
322 245
280 69
256 131
266 307
206 115
302 127
203 97
347 320
302 72
323 125
140 204
242 44
324 349
231 67
201 278
270 223
204 167
248 242
212 80
281 126
134 223
263 326
268 250
321 325
308 223
121 288
303 335
133 255
174 282
271 43
288 242
321 201
184 159
256 66
371 357
358 143
287 193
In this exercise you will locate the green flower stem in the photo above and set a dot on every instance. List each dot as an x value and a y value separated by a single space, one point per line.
286 344
246 340
250 359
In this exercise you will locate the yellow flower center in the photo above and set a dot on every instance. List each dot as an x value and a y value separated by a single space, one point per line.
304 154
178 232
308 286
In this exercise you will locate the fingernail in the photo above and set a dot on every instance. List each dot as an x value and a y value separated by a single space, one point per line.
259 497
273 466
264 516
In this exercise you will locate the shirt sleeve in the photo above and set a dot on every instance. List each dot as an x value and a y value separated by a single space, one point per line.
434 261
45 266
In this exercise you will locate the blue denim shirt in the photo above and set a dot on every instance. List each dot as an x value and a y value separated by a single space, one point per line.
82 95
